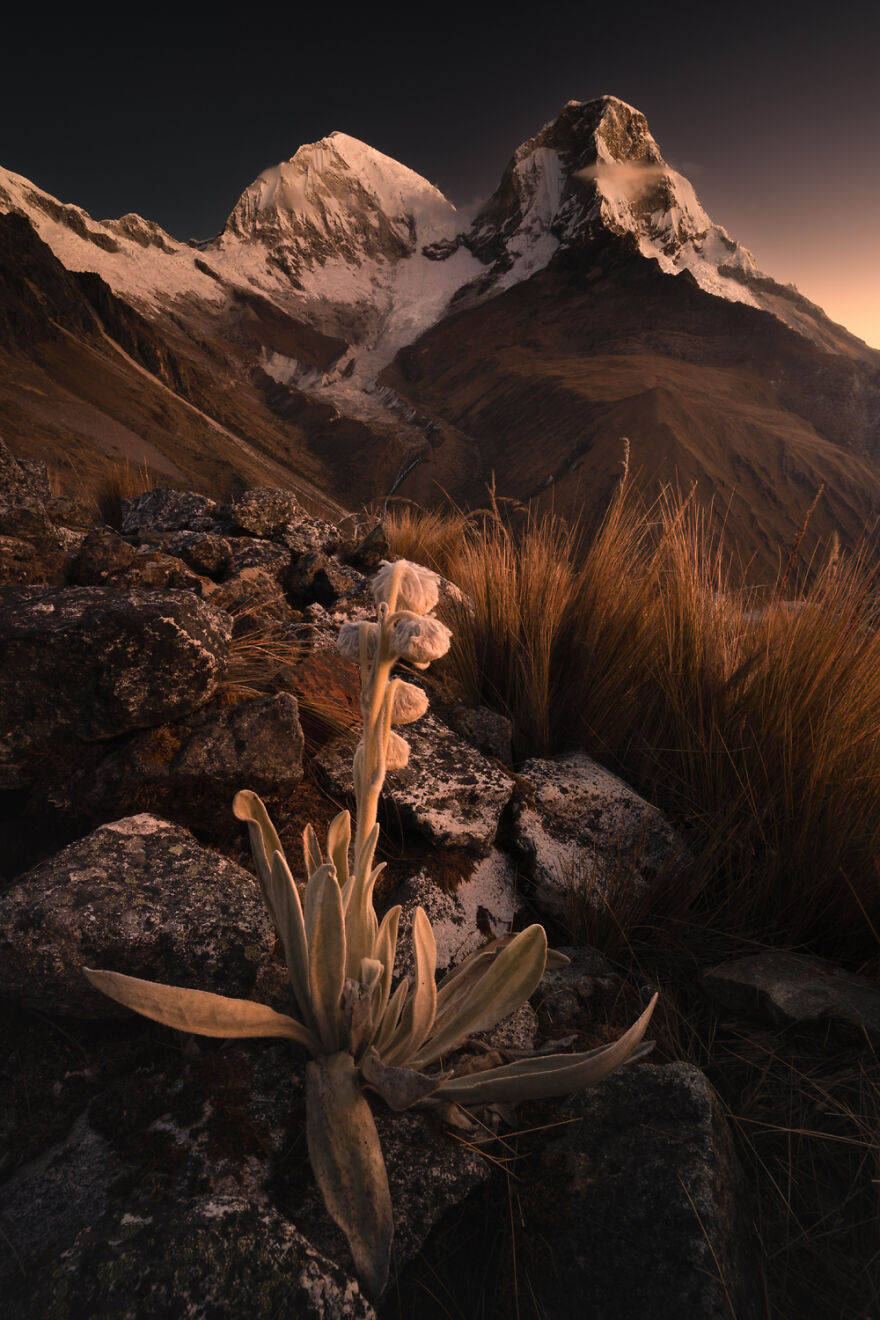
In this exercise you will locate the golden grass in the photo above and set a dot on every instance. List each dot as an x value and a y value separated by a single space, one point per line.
754 722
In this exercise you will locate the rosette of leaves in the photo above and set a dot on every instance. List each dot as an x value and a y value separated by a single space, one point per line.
361 1030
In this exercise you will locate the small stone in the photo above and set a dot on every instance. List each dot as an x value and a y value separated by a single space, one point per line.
787 988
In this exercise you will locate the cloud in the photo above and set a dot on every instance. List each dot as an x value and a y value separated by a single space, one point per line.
625 178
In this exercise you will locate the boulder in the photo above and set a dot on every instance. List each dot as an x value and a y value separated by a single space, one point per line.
639 1207
263 511
448 792
93 662
580 829
482 907
138 896
192 769
103 554
787 988
165 510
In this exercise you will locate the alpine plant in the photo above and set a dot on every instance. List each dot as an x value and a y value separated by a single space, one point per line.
361 1030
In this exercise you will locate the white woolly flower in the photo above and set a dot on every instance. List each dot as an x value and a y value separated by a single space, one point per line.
410 703
397 755
419 638
348 640
418 588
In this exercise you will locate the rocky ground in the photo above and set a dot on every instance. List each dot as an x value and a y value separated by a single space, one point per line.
148 674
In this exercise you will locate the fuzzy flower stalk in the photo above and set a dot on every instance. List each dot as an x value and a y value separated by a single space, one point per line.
360 1030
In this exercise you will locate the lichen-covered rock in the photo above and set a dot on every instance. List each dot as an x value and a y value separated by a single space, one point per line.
580 827
263 511
92 662
212 1258
206 553
102 554
489 731
482 907
165 510
207 1125
193 768
788 988
448 792
641 1206
22 509
21 562
304 535
138 896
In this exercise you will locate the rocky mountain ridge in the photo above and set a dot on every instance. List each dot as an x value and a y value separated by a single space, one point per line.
293 334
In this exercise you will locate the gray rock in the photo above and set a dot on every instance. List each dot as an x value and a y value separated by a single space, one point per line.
581 829
165 510
208 1258
482 907
102 554
138 896
787 988
193 768
448 792
22 509
642 1206
249 553
263 511
36 476
317 577
489 731
304 535
88 663
205 553
564 995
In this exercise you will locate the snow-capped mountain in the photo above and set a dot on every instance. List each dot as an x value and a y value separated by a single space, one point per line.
345 298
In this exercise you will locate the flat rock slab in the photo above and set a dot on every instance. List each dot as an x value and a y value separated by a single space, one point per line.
448 792
86 663
482 907
786 988
642 1206
206 1259
138 896
580 829
201 1128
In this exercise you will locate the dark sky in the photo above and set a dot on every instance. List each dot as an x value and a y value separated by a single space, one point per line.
171 113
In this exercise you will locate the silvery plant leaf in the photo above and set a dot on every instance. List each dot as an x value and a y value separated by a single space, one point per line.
347 1162
550 1075
326 955
284 904
198 1011
399 1087
507 981
338 841
418 1014
264 840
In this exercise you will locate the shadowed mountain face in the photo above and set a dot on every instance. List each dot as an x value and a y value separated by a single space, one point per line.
347 333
